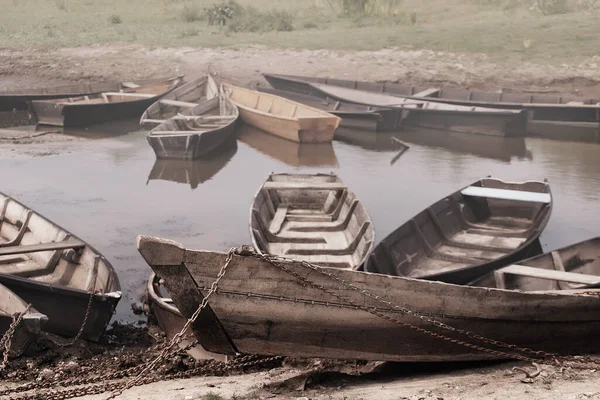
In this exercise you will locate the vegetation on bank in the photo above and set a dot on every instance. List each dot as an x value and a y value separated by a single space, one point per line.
553 30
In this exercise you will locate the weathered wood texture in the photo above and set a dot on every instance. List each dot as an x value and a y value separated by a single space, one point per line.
461 237
59 279
314 218
98 108
189 139
28 328
282 117
265 310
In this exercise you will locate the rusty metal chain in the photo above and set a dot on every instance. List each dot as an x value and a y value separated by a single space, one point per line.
72 341
278 262
179 336
6 340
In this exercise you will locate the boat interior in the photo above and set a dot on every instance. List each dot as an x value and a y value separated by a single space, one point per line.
128 91
181 99
572 267
215 113
313 218
481 223
34 248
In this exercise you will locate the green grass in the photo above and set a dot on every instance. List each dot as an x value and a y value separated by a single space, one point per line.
502 29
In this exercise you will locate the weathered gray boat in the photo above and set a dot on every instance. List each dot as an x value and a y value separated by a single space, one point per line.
128 102
354 116
60 275
172 322
291 153
417 112
27 330
478 229
197 131
292 309
184 97
551 116
314 218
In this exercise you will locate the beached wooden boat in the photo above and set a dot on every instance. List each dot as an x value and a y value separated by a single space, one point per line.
18 99
194 172
172 322
291 309
291 153
354 116
423 113
282 117
58 273
182 98
197 131
482 227
29 327
314 218
128 102
576 266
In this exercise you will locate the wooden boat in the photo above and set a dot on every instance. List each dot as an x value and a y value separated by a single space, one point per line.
29 327
193 172
282 117
576 266
182 98
128 102
354 116
540 106
58 273
291 153
314 218
19 99
420 112
373 141
172 322
475 230
197 131
295 310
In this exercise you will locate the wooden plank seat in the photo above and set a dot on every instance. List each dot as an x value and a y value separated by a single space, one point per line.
554 275
348 250
38 247
272 238
505 194
331 226
124 94
177 103
304 186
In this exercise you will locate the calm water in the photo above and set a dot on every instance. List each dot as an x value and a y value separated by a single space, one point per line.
114 190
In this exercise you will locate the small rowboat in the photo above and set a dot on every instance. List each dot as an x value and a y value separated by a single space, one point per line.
181 99
473 231
314 218
29 327
128 102
57 273
197 131
282 117
292 309
172 322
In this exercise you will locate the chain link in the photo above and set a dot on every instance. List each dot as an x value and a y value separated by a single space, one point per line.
6 340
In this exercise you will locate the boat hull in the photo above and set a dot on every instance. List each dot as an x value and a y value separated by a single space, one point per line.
266 310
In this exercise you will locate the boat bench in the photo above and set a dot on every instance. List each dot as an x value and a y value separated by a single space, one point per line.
506 194
39 247
305 186
540 273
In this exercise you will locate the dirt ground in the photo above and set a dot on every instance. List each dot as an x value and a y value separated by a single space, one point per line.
297 380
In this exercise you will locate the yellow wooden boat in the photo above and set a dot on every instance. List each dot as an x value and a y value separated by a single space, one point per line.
283 117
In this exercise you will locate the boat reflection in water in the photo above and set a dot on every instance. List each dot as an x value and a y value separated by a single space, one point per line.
493 147
286 151
194 172
98 131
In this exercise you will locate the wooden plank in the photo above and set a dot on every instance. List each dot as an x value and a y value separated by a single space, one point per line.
428 93
177 103
549 274
305 185
34 248
278 220
143 95
505 194
190 132
130 85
